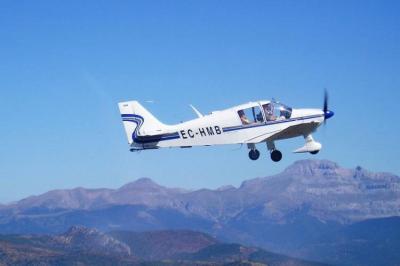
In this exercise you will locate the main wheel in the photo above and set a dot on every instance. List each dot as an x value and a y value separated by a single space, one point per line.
254 154
276 155
314 152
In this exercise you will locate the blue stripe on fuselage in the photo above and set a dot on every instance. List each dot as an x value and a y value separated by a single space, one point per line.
138 120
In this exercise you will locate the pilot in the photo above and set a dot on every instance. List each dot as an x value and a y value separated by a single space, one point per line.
243 118
269 112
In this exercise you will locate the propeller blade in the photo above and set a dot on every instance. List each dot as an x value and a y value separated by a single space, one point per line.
325 101
327 113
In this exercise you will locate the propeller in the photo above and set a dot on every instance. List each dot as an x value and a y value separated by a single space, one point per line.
326 101
327 113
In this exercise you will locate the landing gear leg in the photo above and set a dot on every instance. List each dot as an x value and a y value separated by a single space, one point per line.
276 155
254 154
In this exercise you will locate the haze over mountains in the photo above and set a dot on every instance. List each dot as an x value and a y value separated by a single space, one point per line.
299 212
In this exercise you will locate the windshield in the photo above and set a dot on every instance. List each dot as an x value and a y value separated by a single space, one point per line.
276 111
251 115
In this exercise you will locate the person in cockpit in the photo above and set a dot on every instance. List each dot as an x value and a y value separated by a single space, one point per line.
269 112
243 118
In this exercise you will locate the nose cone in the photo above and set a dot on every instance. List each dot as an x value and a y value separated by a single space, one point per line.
329 114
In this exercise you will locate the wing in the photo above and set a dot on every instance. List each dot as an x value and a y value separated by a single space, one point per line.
285 133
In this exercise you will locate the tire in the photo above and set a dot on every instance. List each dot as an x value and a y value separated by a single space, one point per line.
276 155
254 154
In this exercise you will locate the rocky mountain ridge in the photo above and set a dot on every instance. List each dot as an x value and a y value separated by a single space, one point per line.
298 212
329 192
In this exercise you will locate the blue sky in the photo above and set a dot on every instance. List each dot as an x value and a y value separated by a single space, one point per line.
66 64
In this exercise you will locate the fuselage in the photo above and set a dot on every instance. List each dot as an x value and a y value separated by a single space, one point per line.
250 123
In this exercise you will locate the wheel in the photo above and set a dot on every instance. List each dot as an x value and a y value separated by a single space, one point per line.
314 152
276 155
254 154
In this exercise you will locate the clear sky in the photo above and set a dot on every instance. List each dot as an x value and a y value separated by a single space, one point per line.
66 64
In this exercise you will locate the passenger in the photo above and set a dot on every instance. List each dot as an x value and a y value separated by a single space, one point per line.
269 112
243 118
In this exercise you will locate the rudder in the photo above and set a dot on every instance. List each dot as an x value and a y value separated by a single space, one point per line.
138 121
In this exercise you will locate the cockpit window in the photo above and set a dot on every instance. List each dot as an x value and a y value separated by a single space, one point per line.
276 111
251 115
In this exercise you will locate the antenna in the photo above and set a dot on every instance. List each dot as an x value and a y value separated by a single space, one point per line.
196 111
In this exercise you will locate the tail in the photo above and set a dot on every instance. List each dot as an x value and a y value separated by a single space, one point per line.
138 121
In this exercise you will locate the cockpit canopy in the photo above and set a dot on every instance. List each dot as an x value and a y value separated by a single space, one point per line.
270 111
276 111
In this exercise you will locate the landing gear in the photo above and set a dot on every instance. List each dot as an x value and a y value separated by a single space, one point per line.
276 155
254 154
314 152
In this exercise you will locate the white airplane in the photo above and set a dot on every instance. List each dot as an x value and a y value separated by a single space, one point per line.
249 123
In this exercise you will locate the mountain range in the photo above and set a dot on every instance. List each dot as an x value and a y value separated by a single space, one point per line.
313 210
88 246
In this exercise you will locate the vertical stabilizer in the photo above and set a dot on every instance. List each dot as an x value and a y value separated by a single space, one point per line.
138 121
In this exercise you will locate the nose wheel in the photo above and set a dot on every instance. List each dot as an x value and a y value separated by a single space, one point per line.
276 155
254 154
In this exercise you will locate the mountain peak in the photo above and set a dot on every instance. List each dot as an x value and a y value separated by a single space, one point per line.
143 182
312 167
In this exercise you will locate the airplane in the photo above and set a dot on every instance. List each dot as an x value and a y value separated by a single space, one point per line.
251 123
